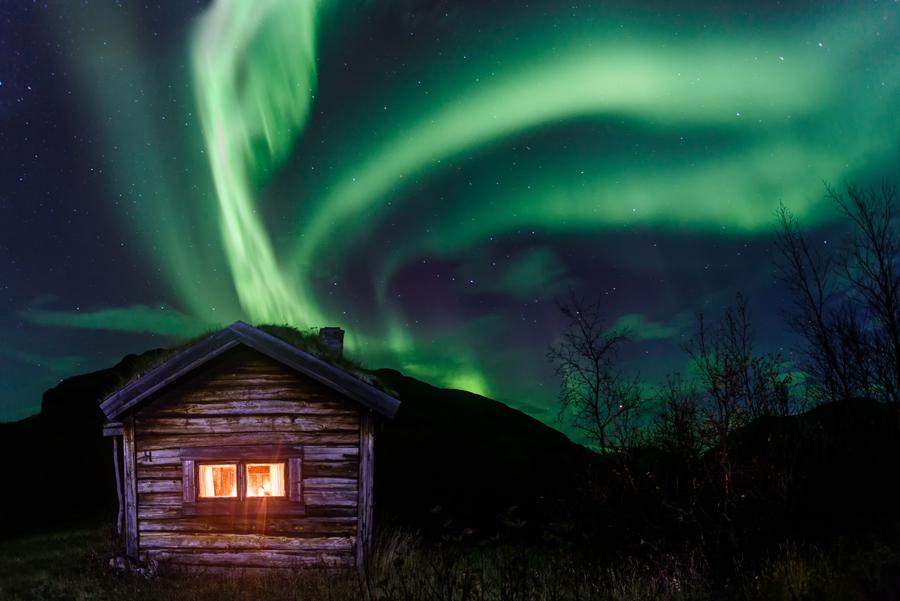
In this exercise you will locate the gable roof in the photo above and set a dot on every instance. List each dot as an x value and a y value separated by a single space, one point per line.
239 333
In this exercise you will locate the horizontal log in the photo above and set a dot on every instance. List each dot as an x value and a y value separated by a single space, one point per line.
333 498
160 457
266 385
156 499
235 542
251 573
159 472
254 406
266 423
273 526
335 469
178 441
246 507
313 453
254 374
169 458
330 511
250 391
152 521
154 512
349 484
161 486
256 558
113 429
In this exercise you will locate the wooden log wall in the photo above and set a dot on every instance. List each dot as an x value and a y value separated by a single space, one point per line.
249 399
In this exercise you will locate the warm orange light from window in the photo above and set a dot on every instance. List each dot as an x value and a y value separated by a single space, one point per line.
218 480
265 479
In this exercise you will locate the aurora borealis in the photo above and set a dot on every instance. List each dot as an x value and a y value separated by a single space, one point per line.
429 175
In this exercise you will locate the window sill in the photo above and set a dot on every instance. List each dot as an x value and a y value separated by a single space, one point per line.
249 506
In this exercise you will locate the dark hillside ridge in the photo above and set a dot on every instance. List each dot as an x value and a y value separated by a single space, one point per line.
454 461
59 469
844 461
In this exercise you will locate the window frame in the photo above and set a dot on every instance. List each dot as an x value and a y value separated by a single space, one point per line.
245 465
213 462
289 504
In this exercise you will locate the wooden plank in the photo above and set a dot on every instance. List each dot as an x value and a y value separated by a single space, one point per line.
323 511
130 487
179 441
282 526
144 486
252 506
252 406
322 461
255 558
188 481
365 490
349 484
294 395
261 452
170 519
314 453
260 376
233 542
335 469
162 457
295 479
159 472
120 506
113 429
245 423
237 572
161 512
334 498
156 499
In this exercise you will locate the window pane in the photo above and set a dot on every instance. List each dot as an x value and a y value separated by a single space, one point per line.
265 479
218 481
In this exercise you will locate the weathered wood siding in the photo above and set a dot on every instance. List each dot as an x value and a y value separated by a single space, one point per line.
249 399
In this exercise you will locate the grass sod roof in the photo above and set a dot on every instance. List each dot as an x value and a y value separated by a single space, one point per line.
298 350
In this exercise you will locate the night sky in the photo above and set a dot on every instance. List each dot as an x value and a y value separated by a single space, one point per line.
429 175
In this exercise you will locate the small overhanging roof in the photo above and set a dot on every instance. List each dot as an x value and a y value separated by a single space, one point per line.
124 400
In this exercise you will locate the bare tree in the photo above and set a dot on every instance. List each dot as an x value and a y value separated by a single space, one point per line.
596 398
846 303
736 383
677 425
811 274
869 266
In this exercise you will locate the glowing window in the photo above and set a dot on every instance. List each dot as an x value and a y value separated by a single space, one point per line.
265 479
217 481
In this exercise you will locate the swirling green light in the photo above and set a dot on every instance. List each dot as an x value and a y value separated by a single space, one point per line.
255 77
254 70
797 101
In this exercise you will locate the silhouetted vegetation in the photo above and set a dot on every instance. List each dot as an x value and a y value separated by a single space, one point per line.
596 398
846 297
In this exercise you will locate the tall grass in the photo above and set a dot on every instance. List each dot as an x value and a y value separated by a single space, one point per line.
74 565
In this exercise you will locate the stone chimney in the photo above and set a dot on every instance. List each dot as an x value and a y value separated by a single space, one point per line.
333 339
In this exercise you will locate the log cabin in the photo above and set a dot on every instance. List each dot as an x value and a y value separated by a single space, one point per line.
244 451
